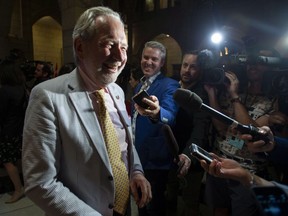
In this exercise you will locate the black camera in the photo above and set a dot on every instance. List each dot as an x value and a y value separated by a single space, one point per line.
207 62
214 66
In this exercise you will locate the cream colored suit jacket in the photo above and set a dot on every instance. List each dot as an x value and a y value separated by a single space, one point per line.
65 163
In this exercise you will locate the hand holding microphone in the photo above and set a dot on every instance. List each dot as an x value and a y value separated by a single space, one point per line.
191 101
260 145
182 160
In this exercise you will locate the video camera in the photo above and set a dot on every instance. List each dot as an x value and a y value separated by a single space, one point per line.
276 80
215 65
250 59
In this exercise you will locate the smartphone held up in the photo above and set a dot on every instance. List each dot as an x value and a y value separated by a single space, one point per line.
138 99
200 154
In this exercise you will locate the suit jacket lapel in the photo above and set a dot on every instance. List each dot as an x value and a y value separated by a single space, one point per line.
84 108
155 83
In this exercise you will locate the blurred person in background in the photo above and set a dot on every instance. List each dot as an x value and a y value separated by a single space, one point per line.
195 131
43 71
276 149
252 105
66 68
13 97
135 75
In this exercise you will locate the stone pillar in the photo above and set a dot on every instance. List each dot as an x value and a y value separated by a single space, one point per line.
6 8
70 11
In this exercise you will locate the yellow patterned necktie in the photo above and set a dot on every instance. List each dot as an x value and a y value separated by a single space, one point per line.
119 170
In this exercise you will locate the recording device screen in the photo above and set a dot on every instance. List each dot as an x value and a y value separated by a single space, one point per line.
272 200
138 99
200 153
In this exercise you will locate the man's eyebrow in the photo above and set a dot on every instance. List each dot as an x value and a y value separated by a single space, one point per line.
110 39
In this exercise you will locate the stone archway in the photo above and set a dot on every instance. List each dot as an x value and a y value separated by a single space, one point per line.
47 41
174 53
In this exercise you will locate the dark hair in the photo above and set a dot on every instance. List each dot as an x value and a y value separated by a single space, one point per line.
47 68
136 73
159 46
10 73
66 68
191 52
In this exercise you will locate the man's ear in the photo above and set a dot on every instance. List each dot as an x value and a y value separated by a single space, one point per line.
162 62
78 45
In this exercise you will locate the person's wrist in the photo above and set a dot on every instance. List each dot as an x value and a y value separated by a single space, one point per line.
248 179
235 99
154 117
252 180
137 172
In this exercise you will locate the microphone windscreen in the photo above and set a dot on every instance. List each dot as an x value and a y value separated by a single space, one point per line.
187 99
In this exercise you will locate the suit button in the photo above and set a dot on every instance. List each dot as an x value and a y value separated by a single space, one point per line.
110 206
110 178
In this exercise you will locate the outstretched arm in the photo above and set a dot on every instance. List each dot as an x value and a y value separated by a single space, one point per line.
230 169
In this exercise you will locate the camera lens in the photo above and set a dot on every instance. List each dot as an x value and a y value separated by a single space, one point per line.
214 76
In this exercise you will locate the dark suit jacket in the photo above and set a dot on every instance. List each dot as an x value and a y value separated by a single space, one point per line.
192 126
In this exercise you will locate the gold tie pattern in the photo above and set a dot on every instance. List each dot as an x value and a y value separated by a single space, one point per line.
119 170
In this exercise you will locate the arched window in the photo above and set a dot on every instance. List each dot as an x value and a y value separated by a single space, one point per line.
149 5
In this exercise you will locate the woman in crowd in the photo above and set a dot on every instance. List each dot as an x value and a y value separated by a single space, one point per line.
13 99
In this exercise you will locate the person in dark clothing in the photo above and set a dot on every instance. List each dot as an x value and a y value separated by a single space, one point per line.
66 68
42 72
12 111
191 127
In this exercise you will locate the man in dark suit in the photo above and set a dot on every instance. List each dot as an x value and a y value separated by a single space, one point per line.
191 127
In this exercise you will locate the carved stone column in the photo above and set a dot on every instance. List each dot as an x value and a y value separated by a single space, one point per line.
70 11
6 8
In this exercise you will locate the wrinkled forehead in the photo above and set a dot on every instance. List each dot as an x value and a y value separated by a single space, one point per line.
110 27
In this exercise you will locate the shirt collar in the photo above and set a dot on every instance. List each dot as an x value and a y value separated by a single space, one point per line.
149 80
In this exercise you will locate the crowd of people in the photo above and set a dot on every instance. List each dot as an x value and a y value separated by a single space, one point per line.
87 149
12 113
16 82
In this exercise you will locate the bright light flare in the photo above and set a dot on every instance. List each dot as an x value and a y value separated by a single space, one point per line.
216 38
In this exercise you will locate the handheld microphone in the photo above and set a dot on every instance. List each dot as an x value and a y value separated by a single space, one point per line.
190 100
172 144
